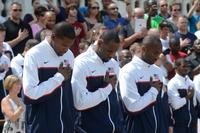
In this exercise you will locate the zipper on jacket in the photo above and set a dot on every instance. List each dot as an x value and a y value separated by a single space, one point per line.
113 125
155 119
189 113
61 108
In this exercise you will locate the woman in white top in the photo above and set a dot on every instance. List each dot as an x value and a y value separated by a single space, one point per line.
12 106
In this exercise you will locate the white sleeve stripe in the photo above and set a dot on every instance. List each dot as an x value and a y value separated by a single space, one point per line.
35 97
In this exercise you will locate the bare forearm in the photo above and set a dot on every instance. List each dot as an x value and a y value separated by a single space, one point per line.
129 40
14 42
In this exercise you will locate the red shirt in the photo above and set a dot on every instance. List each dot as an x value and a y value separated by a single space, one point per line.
74 47
179 55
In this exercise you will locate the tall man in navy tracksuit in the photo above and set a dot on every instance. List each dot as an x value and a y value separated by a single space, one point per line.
141 90
46 83
94 81
182 98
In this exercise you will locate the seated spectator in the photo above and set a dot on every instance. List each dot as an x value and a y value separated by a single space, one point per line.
12 106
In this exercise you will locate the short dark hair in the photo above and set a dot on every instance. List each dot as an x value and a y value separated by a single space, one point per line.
174 4
163 24
40 11
70 6
63 29
151 40
109 36
179 62
173 40
2 27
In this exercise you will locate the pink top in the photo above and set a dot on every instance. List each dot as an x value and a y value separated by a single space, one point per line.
35 28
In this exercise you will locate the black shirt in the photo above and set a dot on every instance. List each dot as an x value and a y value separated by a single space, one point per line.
12 30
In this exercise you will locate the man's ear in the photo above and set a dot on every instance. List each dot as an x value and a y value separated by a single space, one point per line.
53 36
100 42
143 49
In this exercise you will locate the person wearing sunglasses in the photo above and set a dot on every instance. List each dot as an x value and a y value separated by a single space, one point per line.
92 16
175 9
112 21
17 32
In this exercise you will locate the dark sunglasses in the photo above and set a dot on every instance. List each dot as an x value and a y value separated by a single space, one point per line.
95 8
114 8
177 10
164 5
15 10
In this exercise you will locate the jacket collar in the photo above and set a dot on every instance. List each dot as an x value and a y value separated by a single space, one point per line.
140 62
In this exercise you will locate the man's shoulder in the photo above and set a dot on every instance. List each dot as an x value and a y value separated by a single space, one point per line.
84 57
19 59
130 67
191 35
7 22
40 48
69 54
